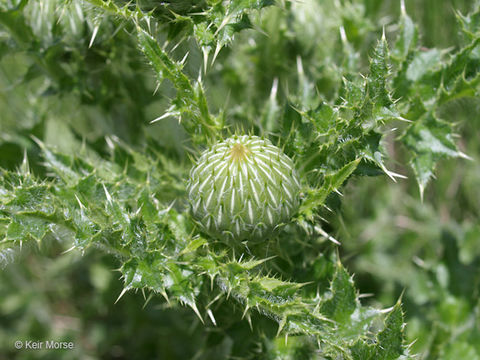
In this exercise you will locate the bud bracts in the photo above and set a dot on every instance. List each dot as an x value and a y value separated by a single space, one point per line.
242 188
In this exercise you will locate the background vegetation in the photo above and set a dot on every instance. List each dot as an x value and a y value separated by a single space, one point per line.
92 193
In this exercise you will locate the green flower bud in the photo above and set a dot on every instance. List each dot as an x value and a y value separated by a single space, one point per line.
243 188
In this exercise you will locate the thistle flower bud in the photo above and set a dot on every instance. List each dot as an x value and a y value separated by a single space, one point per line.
243 188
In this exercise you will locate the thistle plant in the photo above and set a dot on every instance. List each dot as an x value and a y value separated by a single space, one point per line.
124 148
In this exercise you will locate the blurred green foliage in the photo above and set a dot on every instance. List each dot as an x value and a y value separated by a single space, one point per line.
78 94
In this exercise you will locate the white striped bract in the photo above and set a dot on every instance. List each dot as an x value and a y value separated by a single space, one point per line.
243 188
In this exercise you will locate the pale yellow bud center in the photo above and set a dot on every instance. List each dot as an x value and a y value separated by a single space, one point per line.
239 152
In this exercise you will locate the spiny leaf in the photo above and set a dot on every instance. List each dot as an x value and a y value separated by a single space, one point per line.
407 38
458 63
463 87
470 23
190 101
423 63
379 74
332 181
390 339
430 140
223 21
343 300
428 81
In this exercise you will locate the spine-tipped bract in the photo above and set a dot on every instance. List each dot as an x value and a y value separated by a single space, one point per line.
243 188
